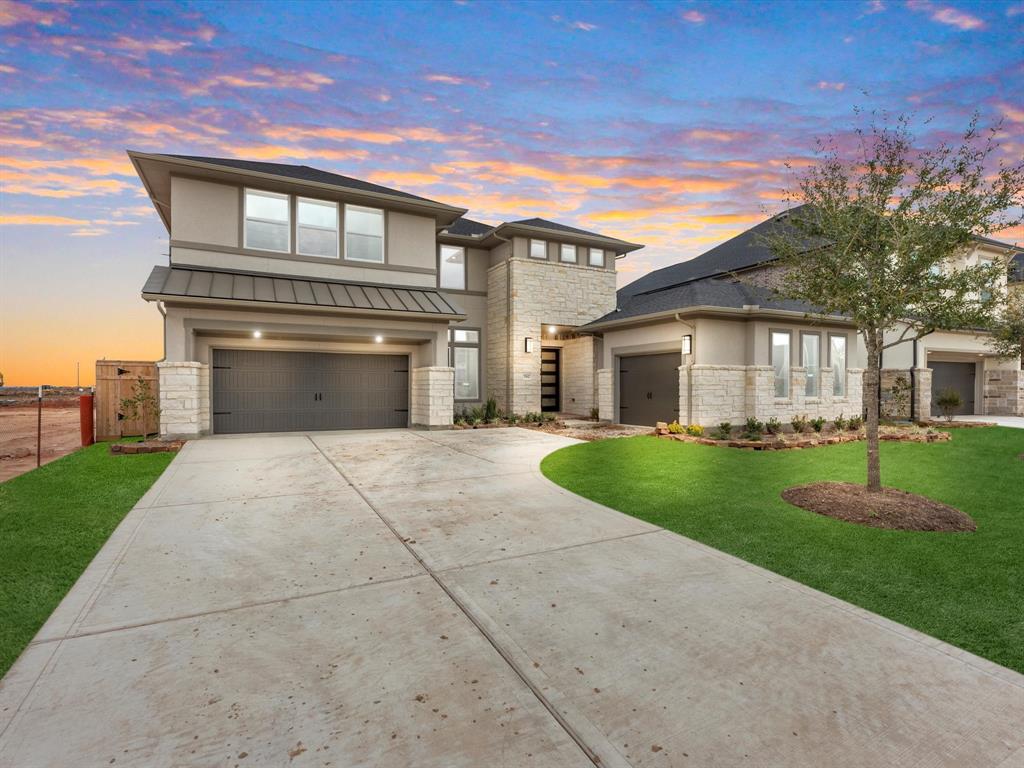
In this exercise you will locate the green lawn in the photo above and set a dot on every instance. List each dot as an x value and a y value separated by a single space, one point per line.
53 520
965 588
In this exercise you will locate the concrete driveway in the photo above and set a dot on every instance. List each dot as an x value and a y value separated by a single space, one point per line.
1002 421
429 599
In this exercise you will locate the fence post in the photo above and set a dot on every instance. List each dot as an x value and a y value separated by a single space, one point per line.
85 419
39 427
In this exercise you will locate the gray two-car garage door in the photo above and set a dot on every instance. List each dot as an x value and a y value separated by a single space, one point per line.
271 391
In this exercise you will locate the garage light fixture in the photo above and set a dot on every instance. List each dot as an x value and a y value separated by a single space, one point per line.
688 344
529 345
257 334
552 329
378 339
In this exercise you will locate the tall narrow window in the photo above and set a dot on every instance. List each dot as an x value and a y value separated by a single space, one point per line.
464 353
811 356
453 267
538 249
316 232
267 221
364 234
568 253
781 362
837 361
985 295
597 257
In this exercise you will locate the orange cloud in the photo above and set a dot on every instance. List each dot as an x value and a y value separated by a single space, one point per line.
1012 113
138 47
636 213
27 219
271 152
260 77
826 85
99 166
710 134
58 185
398 178
12 13
694 17
945 14
446 79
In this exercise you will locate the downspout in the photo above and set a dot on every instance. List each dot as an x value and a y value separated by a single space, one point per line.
913 380
163 314
689 371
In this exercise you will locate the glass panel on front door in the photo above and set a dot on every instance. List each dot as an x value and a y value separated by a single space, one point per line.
549 377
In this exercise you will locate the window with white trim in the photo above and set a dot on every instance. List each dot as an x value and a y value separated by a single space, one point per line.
597 257
316 228
538 249
453 267
568 253
837 361
780 352
267 221
464 357
364 234
810 351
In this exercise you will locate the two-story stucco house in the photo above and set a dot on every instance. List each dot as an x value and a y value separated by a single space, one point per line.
299 299
706 341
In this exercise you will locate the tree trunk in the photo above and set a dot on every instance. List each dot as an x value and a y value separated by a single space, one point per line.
872 376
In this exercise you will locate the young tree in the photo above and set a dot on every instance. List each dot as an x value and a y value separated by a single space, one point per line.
1008 330
876 235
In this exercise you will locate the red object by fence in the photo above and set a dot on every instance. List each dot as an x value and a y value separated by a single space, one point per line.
85 417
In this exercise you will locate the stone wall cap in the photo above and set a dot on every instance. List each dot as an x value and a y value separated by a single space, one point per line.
180 364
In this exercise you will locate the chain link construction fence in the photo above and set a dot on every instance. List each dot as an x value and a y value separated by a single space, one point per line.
36 431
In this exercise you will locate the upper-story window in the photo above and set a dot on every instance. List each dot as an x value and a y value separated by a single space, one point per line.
597 257
453 268
316 232
568 253
364 234
267 221
985 295
538 249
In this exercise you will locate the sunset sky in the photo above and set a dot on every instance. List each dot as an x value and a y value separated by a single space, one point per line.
667 124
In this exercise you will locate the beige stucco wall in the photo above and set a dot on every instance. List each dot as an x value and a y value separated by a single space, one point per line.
204 211
410 241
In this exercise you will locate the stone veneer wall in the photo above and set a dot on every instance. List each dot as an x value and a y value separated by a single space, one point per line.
432 397
542 293
906 394
922 394
735 392
1004 392
579 387
606 394
184 399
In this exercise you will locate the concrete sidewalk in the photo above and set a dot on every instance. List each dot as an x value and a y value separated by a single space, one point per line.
404 598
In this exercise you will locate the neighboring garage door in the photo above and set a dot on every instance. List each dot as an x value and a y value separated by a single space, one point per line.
649 389
958 376
269 391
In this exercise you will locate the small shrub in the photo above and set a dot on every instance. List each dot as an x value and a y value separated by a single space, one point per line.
595 414
512 418
676 428
754 427
695 430
799 424
948 401
773 426
818 423
855 423
460 418
840 423
724 430
490 414
549 417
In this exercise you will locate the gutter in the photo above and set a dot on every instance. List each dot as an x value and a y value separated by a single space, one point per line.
709 309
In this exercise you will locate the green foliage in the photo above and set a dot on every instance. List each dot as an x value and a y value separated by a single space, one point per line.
676 428
513 418
855 423
799 424
595 414
817 423
948 401
491 412
695 430
143 404
773 426
840 423
1008 328
754 427
724 431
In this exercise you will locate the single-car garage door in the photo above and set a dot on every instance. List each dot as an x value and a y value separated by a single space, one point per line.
270 391
958 376
649 389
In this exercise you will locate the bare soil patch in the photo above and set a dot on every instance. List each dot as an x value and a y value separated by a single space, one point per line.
60 436
890 508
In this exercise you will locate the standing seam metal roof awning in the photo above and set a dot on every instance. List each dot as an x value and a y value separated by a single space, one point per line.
190 283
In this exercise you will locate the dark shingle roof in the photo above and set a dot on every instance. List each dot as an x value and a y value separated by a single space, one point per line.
303 173
741 252
711 291
196 283
555 226
464 226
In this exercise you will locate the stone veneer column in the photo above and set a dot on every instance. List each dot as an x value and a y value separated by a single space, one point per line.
184 399
578 389
922 394
1004 392
432 396
606 394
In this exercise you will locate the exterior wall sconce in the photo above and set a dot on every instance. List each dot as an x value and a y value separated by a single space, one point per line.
256 334
688 344
529 345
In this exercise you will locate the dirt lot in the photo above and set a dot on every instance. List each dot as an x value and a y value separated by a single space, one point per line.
18 437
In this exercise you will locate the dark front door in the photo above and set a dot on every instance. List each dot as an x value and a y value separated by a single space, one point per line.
649 389
271 391
958 376
550 375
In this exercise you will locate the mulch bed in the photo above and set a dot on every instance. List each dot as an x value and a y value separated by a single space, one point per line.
890 508
148 446
808 440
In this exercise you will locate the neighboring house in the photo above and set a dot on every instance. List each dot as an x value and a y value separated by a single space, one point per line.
299 299
705 341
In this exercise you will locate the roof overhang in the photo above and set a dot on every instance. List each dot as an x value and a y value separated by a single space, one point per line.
156 170
733 313
273 306
507 230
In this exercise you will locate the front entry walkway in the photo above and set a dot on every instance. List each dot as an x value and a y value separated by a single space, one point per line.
429 599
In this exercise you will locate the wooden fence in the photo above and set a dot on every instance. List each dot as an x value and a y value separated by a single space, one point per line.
115 381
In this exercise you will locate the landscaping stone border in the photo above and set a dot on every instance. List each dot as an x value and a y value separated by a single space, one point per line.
772 443
148 446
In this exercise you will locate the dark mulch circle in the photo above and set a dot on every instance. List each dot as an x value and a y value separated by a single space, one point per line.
890 508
